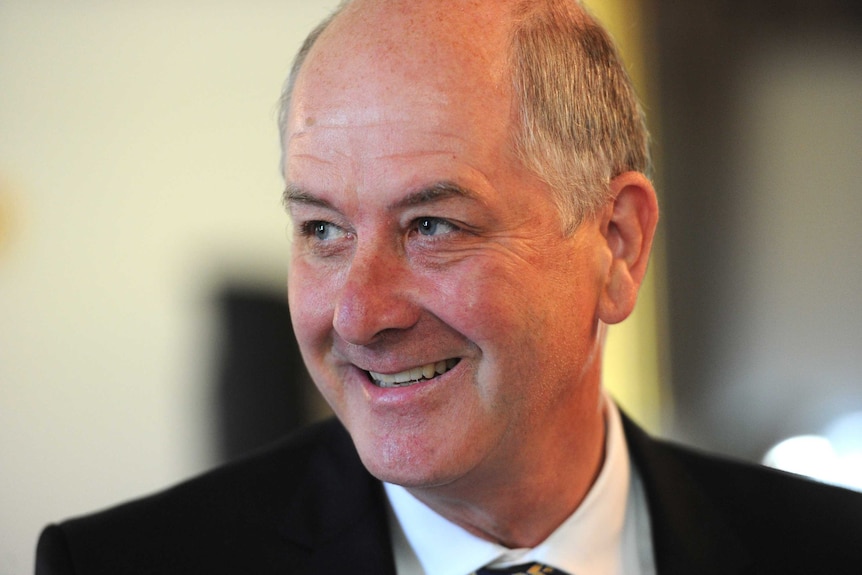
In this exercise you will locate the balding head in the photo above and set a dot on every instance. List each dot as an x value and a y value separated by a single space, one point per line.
572 112
439 37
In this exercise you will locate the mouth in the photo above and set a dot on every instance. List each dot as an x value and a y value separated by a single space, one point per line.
412 376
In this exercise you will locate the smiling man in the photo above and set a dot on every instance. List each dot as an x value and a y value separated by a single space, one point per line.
466 184
446 309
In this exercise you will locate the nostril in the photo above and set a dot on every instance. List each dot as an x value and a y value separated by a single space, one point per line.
363 312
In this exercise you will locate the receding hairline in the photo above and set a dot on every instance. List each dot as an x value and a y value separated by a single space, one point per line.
521 10
575 119
523 14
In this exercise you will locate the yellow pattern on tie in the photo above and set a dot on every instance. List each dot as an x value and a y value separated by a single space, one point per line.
526 569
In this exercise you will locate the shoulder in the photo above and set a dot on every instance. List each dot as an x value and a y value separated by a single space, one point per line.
261 480
773 517
767 496
241 505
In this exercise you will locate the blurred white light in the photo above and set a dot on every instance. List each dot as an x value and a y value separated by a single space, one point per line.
845 434
810 455
833 457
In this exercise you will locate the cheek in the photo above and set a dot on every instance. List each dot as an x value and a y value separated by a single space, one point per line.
309 295
521 316
486 299
494 310
310 299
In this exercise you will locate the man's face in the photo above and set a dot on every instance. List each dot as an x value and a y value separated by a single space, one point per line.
438 307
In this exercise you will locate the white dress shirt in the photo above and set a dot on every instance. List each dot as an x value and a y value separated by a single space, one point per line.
608 534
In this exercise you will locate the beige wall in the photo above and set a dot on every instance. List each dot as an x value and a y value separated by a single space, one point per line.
138 161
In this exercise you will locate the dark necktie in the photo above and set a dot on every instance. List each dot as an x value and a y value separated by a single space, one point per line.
525 569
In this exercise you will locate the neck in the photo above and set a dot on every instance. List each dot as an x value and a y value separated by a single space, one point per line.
521 504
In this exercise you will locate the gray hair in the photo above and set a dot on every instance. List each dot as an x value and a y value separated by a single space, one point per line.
579 122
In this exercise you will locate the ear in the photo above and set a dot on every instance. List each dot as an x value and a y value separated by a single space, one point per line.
628 226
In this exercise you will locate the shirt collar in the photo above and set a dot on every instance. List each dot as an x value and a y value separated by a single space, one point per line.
590 540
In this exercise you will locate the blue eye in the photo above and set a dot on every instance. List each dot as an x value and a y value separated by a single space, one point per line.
322 231
434 226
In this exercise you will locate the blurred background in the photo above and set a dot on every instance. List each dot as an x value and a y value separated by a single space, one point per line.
144 335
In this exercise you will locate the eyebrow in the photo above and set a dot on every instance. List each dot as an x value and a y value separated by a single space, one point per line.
434 193
296 195
427 195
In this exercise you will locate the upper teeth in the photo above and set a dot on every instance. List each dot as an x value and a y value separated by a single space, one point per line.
413 375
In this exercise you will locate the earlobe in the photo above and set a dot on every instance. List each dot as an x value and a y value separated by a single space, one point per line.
629 230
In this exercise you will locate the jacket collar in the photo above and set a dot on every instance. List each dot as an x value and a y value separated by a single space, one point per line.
691 534
338 512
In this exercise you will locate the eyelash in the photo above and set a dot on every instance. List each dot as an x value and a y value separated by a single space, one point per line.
419 223
311 228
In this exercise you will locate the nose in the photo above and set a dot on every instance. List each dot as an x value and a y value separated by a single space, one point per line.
375 297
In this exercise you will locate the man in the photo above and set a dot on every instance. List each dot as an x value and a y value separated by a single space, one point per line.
466 184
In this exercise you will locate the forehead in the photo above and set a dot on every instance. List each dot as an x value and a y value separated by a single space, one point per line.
420 31
387 161
402 55
399 83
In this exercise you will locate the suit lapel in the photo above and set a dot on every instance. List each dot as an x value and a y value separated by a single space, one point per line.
338 515
690 532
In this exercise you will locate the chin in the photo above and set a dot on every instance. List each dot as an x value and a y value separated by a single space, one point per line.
406 462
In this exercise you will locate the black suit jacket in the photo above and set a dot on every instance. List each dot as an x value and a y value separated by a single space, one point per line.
307 505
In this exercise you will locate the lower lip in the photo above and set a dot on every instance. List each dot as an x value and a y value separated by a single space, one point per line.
398 395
